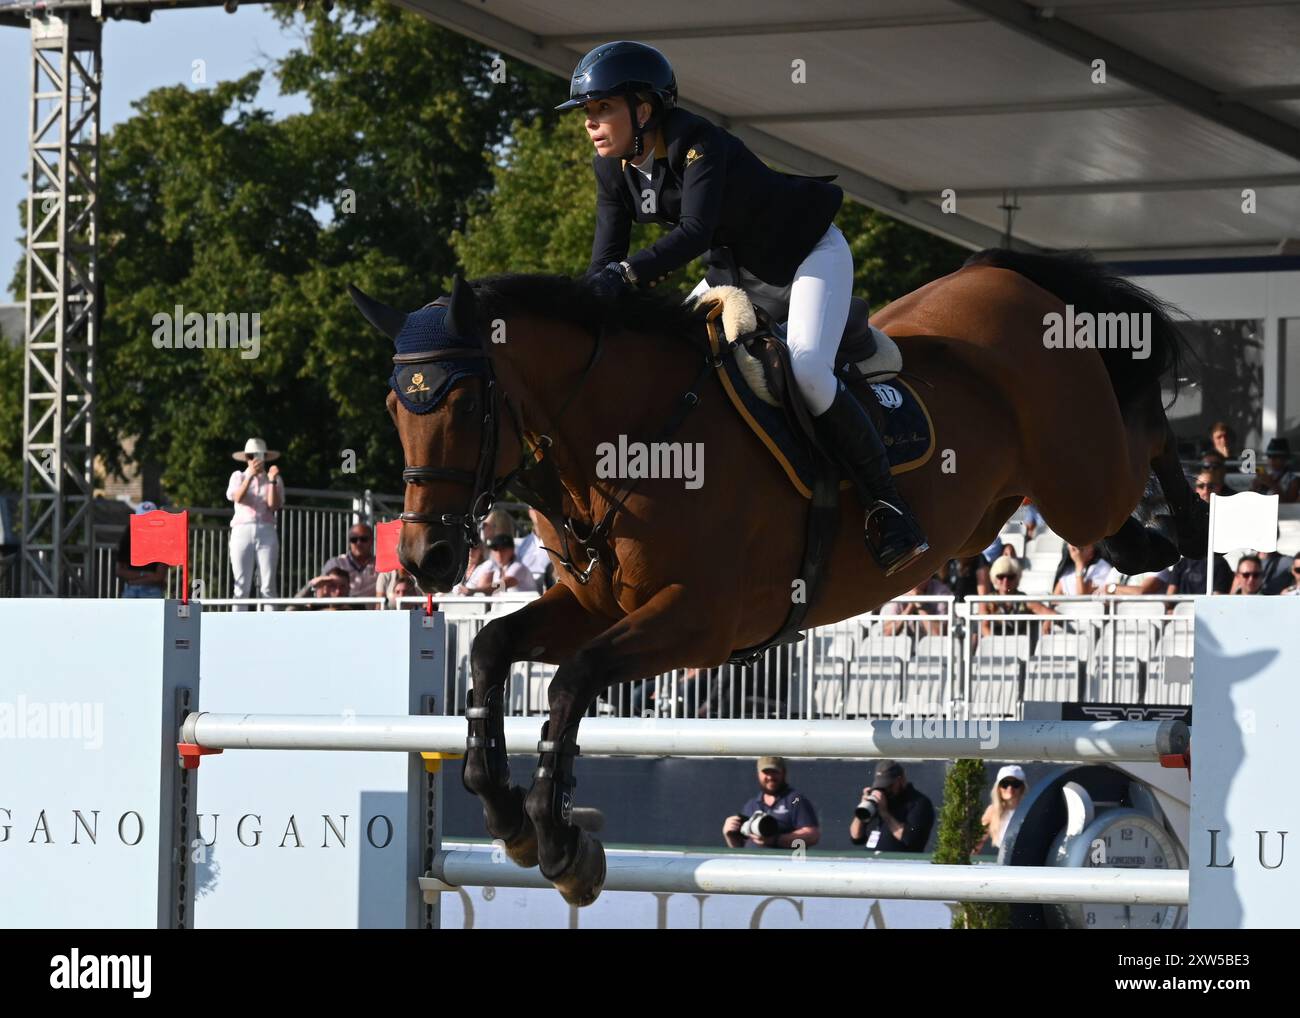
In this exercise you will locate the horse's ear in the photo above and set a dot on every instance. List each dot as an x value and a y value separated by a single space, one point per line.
461 308
387 320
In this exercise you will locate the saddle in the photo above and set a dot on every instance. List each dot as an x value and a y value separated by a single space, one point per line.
762 355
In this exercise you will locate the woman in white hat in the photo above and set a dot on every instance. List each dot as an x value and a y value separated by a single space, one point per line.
1008 791
257 492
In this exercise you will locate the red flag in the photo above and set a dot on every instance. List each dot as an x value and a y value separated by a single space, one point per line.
162 537
386 538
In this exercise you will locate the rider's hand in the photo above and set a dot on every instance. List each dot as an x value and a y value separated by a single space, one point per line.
609 282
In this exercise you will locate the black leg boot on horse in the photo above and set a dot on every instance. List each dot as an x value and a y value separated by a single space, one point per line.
849 432
569 857
486 772
1169 522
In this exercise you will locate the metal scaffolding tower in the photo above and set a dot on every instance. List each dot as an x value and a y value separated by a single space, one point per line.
62 306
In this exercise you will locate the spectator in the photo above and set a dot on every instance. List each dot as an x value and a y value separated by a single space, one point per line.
903 816
257 492
1188 574
1004 799
1250 576
394 585
358 562
902 607
335 583
967 577
1295 580
502 572
1275 571
795 816
1138 583
1034 521
498 521
530 552
1223 440
1090 573
1278 478
139 581
472 581
1005 574
1215 463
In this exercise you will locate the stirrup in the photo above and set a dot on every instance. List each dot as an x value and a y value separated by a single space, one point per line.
919 547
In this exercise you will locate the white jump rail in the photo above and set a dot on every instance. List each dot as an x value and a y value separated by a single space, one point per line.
1067 741
633 871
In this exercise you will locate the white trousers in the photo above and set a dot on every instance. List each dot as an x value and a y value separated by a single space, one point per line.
249 540
818 301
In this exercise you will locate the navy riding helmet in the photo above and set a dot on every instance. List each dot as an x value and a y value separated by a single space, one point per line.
625 68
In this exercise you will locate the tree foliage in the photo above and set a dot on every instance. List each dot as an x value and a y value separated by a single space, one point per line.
423 154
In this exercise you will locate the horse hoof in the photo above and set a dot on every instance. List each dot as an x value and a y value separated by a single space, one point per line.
583 881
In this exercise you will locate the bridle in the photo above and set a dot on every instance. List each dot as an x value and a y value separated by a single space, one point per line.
481 483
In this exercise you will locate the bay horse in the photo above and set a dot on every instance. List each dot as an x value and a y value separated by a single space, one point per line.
517 371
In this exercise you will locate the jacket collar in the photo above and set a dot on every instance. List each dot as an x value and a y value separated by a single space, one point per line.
660 152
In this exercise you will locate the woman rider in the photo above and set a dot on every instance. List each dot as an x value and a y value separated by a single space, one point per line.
770 233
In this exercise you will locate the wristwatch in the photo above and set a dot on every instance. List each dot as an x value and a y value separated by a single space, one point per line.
1111 588
629 273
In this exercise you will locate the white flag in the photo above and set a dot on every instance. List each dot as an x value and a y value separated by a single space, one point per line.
1245 520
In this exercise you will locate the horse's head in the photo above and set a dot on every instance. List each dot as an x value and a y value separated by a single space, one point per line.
443 402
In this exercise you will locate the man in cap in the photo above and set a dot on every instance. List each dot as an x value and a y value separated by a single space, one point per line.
795 815
903 817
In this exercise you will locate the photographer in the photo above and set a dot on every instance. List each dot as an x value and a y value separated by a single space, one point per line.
892 816
775 818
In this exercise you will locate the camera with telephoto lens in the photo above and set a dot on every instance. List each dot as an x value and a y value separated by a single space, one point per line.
762 824
866 809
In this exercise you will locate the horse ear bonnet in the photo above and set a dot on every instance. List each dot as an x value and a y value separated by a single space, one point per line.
422 385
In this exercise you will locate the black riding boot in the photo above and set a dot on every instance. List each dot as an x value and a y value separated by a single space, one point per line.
848 430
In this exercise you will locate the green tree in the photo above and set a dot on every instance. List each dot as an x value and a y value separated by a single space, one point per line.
209 203
960 831
11 414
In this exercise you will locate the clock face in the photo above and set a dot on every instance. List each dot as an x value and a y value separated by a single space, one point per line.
1120 839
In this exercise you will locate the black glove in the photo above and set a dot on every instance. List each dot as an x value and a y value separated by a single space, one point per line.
610 281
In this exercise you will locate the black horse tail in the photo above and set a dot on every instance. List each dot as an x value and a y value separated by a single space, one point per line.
1076 278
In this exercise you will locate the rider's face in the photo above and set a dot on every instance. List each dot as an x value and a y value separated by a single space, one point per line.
609 127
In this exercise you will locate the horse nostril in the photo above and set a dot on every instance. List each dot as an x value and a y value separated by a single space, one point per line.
439 559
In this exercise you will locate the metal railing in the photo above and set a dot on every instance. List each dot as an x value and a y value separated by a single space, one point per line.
918 657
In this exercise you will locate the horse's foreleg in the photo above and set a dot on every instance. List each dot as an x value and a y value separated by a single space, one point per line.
669 630
548 629
1190 512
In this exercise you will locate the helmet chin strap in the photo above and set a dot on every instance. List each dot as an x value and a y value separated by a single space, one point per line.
638 130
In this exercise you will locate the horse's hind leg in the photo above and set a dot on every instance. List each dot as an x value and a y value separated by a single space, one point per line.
548 629
668 630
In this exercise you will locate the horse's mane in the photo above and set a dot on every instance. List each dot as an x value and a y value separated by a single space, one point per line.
1075 277
566 299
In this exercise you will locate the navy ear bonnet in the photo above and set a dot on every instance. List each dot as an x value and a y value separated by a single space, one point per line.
422 385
